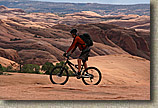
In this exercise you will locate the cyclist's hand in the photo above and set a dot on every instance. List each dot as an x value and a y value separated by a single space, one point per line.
68 54
64 54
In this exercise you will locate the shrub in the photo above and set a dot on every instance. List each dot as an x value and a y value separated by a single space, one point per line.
71 73
61 64
2 69
47 67
31 68
1 72
9 68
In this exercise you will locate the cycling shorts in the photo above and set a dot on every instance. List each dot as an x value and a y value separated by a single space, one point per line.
84 54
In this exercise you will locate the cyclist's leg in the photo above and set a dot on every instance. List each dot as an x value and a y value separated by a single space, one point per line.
80 58
85 65
79 65
83 57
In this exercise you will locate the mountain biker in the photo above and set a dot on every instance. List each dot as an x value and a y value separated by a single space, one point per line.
78 42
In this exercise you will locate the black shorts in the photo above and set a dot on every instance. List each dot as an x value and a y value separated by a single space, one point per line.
84 54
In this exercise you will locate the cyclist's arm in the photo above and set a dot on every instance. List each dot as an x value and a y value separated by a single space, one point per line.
73 45
74 49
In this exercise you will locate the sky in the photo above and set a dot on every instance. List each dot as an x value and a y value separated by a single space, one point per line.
103 1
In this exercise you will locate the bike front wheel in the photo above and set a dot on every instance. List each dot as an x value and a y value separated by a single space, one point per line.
59 75
91 76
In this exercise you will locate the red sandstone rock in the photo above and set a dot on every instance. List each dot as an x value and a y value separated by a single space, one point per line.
9 54
39 37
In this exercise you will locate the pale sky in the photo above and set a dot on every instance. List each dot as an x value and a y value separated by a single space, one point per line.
103 1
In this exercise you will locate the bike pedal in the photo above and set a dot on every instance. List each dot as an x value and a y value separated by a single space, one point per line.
78 77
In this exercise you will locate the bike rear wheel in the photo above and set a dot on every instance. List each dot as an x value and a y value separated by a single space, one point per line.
93 77
59 75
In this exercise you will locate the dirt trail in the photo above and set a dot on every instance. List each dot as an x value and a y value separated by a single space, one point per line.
124 78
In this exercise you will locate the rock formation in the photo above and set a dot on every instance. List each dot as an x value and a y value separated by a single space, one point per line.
40 37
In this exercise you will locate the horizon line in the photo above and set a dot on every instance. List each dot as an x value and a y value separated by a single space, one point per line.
91 3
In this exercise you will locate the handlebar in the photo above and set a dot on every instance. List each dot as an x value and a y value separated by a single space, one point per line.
67 56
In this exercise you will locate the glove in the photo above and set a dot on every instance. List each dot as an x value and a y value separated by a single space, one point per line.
64 54
68 54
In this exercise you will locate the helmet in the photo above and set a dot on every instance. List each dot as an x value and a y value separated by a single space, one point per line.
74 31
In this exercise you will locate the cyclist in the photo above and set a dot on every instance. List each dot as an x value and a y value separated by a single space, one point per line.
78 42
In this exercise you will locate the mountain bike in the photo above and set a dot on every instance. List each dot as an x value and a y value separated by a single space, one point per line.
60 74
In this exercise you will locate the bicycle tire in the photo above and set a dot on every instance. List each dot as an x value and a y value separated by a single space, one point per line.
55 73
86 81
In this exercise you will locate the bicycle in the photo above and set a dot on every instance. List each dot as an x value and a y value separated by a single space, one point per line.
60 74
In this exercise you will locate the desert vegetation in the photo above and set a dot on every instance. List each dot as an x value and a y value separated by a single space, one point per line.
34 68
6 69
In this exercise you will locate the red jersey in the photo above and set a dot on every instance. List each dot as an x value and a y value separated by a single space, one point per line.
77 42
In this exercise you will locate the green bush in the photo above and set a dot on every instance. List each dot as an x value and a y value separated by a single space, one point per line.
2 69
31 68
61 64
58 70
47 67
9 69
71 73
6 69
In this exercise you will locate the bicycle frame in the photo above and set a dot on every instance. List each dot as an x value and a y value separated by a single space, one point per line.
71 65
87 77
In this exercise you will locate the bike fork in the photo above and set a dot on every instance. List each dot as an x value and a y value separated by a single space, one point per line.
61 71
60 74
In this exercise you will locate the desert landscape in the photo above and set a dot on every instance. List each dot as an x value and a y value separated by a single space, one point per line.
121 51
